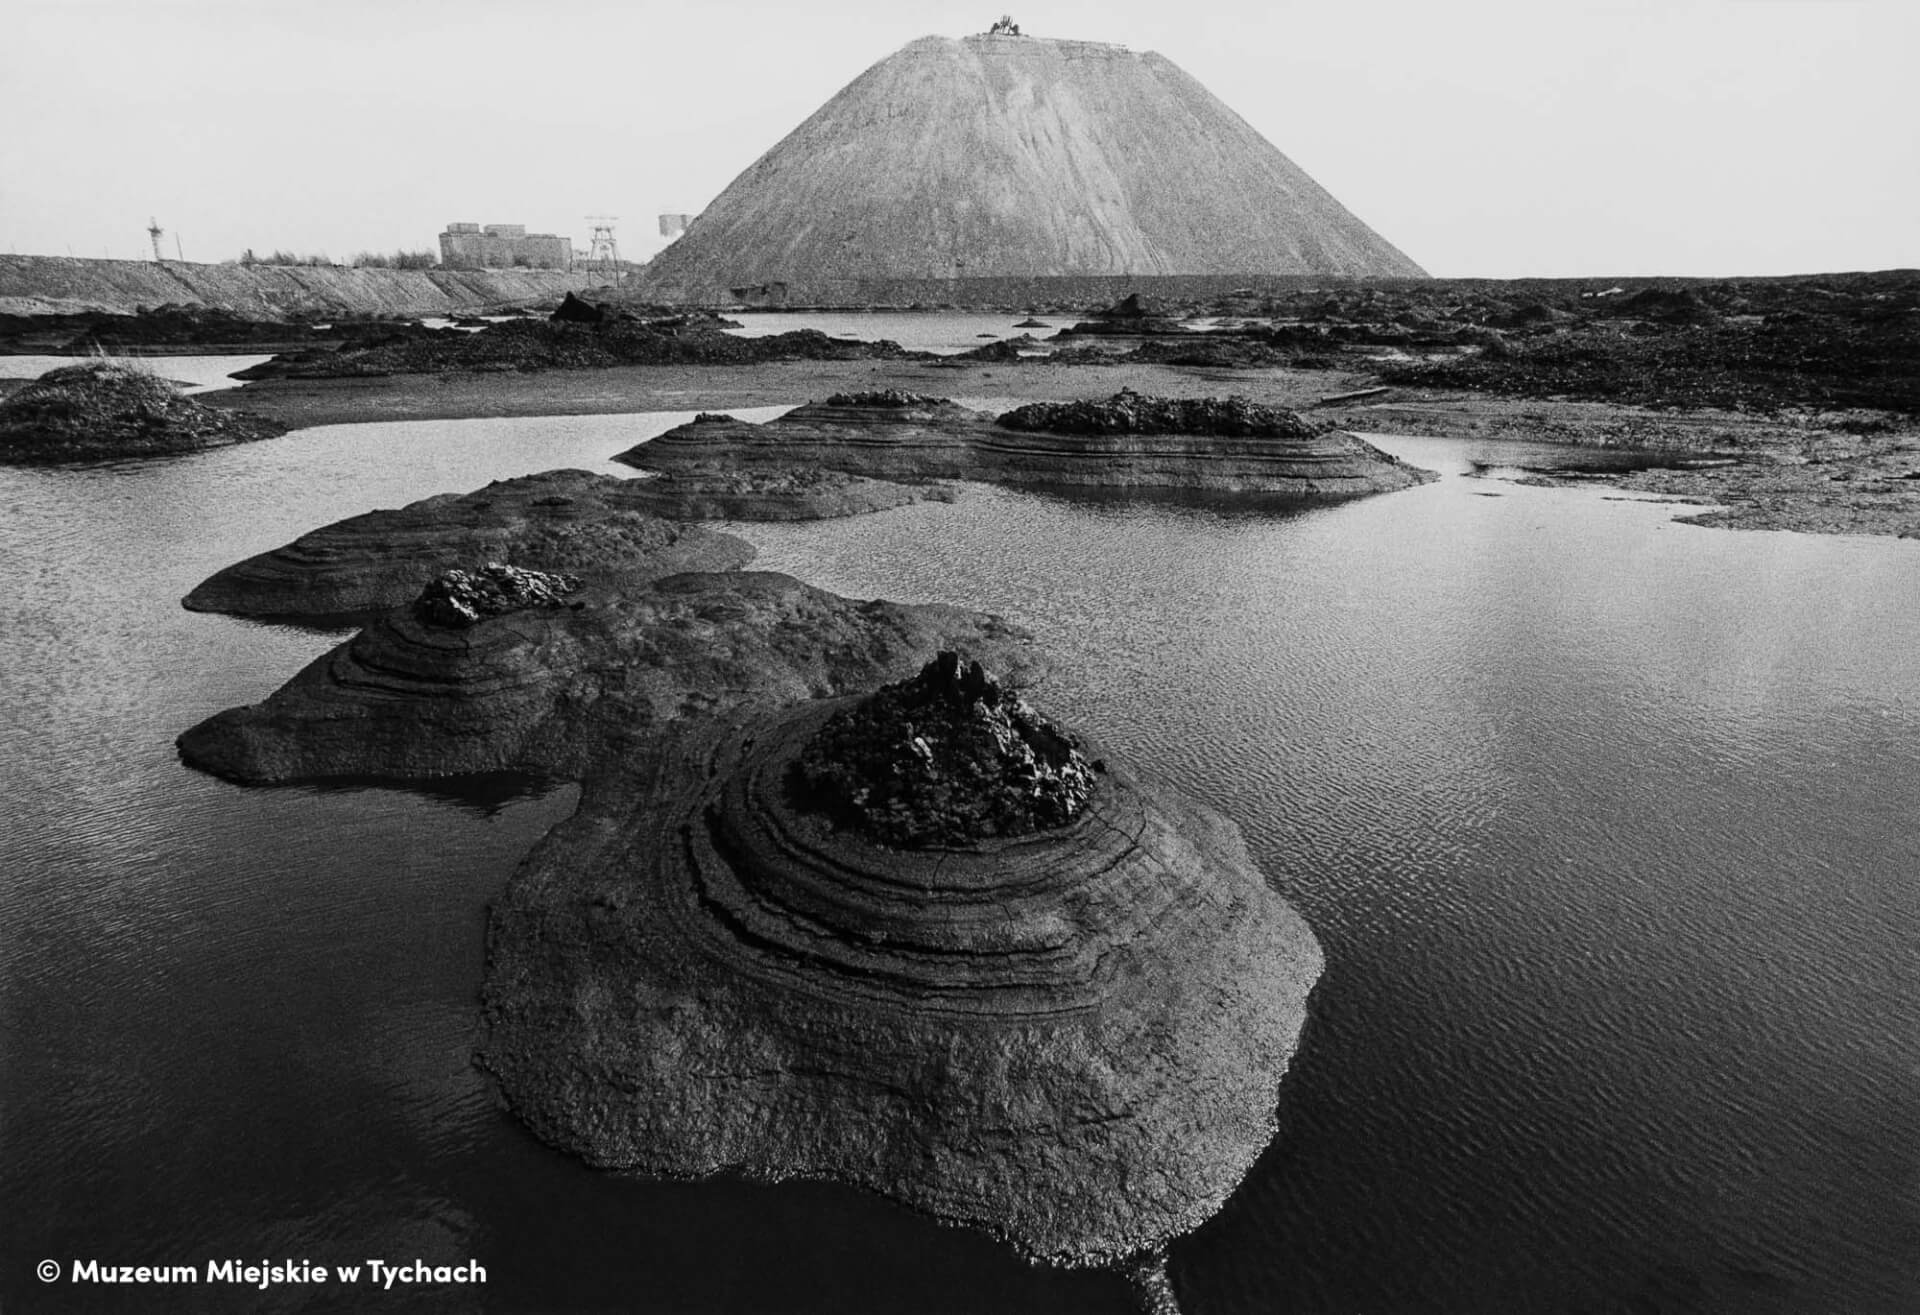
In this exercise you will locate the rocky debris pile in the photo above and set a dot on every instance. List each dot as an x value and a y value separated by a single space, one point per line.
1128 412
101 409
457 599
1820 342
1218 351
1738 366
948 757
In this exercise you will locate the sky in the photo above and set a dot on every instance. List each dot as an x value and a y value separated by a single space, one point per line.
1484 138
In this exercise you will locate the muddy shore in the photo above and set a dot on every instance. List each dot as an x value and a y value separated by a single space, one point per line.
1814 472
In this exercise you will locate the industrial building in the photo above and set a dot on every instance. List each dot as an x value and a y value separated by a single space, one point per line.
503 246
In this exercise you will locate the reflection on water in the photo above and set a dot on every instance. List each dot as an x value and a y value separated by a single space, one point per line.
1606 823
1601 820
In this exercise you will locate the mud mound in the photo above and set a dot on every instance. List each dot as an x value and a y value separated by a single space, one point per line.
102 409
597 527
1070 1039
1133 442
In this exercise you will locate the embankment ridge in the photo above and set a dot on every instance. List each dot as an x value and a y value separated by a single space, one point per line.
44 285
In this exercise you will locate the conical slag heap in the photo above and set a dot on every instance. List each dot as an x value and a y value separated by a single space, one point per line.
1001 156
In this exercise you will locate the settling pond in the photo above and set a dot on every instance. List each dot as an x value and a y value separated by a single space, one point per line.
1607 825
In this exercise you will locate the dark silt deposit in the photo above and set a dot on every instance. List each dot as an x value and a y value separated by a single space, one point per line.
549 690
567 521
916 942
572 343
1130 442
166 328
102 409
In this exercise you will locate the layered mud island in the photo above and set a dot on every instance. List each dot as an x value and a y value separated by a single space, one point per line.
566 521
1229 448
916 940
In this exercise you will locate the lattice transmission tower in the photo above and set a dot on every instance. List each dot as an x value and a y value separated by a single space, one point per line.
603 254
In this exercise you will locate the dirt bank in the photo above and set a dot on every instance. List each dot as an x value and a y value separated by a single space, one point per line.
45 285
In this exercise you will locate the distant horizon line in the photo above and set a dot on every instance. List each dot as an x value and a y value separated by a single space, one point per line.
1038 278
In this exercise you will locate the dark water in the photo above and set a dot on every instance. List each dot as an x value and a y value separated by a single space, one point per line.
1608 826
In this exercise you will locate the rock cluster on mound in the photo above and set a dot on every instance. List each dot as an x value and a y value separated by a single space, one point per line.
948 757
597 527
102 409
458 599
1128 412
1070 1038
885 397
1133 442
